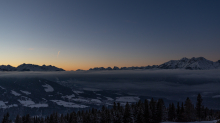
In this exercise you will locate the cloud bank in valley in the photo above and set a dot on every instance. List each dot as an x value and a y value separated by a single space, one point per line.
166 80
169 84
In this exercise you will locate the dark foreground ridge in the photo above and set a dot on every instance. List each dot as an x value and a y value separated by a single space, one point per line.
153 111
30 67
199 63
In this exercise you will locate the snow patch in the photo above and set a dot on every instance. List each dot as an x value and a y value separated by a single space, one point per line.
25 92
68 96
27 102
81 100
2 87
38 105
15 93
2 104
91 89
108 104
96 101
68 104
127 99
13 105
109 98
48 88
78 92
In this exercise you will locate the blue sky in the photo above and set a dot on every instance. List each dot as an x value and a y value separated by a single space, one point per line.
108 33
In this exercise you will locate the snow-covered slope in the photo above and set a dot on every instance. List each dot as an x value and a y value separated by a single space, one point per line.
37 96
199 63
30 67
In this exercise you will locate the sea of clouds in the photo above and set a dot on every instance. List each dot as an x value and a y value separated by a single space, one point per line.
169 84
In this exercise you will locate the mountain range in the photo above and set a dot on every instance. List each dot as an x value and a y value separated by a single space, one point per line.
199 63
30 67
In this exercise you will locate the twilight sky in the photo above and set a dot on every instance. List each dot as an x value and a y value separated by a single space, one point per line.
83 34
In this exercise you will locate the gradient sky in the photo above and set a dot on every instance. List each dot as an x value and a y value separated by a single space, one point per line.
103 33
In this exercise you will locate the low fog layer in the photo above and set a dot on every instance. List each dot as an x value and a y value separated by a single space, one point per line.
171 84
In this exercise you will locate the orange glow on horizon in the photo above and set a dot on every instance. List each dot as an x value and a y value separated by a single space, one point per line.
86 64
70 67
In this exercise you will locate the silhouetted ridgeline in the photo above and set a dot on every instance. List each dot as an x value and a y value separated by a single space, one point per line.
199 63
30 67
153 111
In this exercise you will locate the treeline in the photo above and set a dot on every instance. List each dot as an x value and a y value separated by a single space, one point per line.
153 111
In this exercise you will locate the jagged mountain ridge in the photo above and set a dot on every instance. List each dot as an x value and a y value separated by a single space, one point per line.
199 63
30 67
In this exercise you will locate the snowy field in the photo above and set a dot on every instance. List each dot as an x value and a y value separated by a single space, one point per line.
25 92
68 104
48 88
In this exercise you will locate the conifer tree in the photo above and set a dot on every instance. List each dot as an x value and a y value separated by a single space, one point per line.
181 117
159 110
138 112
118 106
178 111
171 112
6 118
62 119
73 117
146 112
18 119
103 115
211 114
153 110
27 119
199 107
139 117
114 106
108 116
127 114
174 111
117 118
189 110
206 113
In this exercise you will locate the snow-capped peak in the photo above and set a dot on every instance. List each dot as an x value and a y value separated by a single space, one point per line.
199 63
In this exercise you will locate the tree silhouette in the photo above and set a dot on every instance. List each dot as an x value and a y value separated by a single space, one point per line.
199 107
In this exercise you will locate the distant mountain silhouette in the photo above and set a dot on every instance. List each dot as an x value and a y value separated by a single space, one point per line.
29 67
199 63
